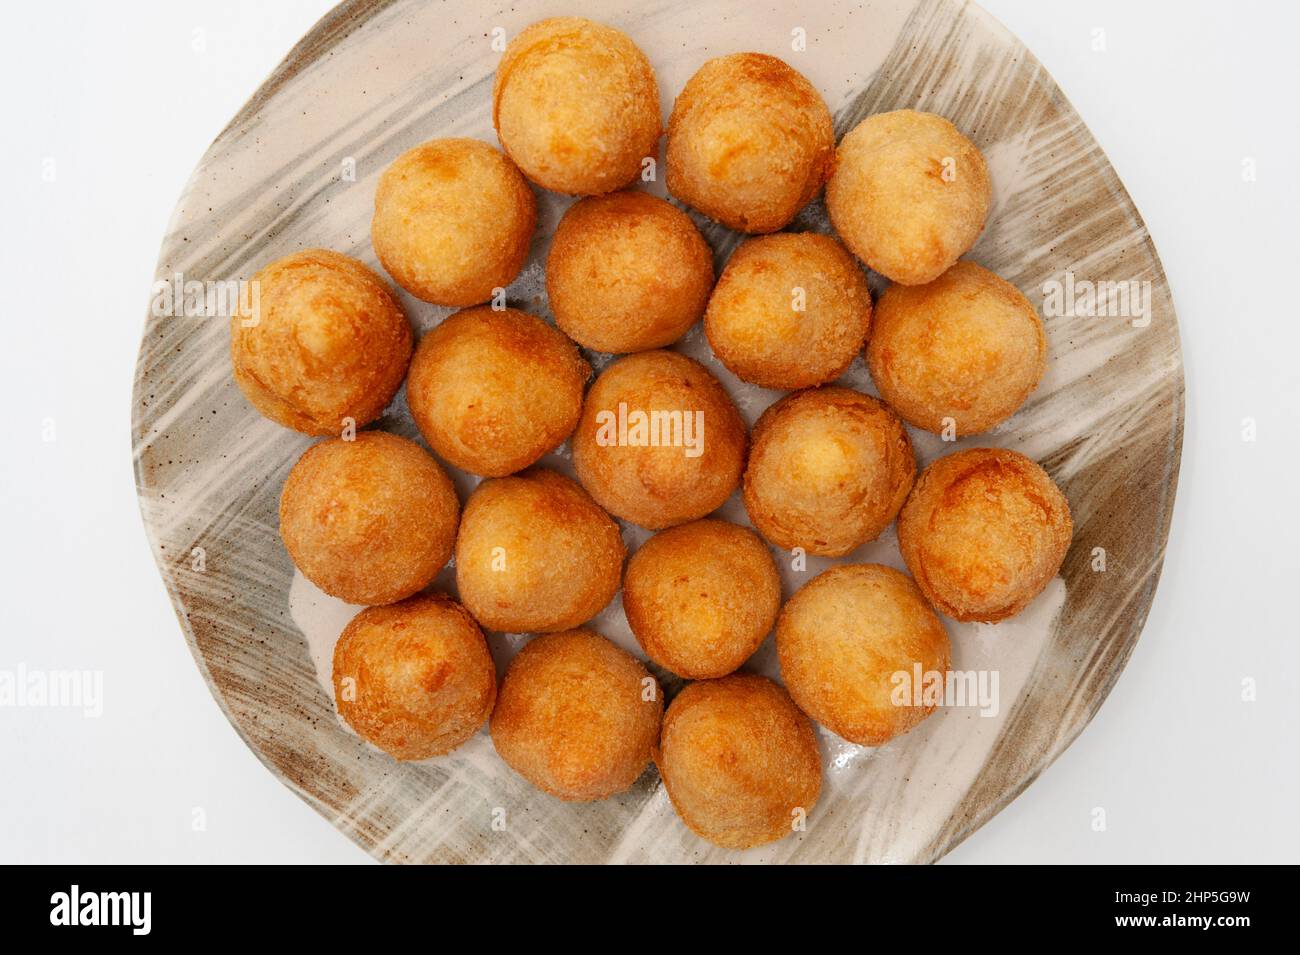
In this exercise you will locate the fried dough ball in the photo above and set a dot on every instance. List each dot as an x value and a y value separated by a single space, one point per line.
984 532
536 554
909 195
577 716
842 638
964 350
750 142
627 272
414 678
828 470
453 220
660 441
493 391
371 520
326 342
790 311
576 105
701 597
739 761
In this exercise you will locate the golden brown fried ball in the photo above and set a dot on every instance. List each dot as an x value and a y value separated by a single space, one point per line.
791 310
963 351
701 597
577 716
493 391
660 442
844 636
909 195
739 761
983 533
453 220
576 105
828 470
326 342
627 272
750 142
415 678
536 554
371 520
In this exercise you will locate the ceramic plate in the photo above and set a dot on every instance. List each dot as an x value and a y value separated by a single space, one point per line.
298 167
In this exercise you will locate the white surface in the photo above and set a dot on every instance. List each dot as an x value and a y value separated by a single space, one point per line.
125 103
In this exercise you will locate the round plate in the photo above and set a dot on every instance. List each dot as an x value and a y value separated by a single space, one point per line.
298 167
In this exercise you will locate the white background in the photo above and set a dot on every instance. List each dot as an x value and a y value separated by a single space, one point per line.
117 96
